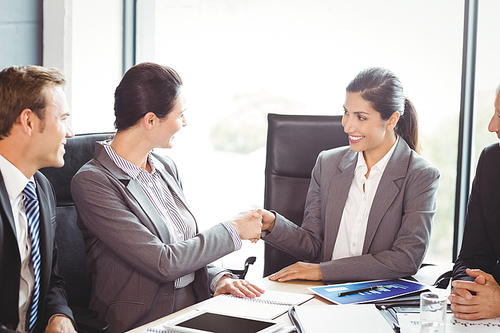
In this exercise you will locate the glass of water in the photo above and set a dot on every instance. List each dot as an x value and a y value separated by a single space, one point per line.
432 312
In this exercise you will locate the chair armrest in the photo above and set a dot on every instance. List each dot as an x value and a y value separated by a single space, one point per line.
241 273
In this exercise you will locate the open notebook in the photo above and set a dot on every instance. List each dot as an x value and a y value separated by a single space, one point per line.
269 305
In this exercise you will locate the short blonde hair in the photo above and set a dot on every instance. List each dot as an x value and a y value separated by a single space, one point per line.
23 87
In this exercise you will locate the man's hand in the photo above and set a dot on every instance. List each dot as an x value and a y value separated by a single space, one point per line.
248 224
484 305
60 324
299 270
236 287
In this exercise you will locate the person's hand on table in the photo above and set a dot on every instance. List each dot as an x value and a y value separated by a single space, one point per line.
484 305
237 287
299 270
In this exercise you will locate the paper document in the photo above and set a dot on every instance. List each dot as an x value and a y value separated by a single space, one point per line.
410 323
367 291
269 305
348 318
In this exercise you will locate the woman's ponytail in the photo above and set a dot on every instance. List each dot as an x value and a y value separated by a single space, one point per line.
407 126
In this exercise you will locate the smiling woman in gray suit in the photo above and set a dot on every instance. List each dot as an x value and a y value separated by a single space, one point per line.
145 255
370 206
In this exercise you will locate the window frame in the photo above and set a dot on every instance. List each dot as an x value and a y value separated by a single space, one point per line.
130 51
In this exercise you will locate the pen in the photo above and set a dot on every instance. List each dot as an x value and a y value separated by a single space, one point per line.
357 291
295 320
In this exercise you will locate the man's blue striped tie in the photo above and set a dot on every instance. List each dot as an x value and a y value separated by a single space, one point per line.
33 215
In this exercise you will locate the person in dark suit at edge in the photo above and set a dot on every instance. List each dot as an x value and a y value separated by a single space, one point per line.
476 274
33 131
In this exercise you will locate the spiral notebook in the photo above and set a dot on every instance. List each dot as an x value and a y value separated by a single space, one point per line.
269 305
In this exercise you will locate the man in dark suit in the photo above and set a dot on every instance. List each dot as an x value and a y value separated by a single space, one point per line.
476 274
33 131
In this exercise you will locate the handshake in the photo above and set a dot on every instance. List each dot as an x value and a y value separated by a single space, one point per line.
249 224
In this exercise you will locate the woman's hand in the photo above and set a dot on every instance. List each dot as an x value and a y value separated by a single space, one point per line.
248 224
237 287
484 305
299 270
268 219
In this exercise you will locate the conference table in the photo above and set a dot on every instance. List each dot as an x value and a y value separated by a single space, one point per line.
425 275
296 286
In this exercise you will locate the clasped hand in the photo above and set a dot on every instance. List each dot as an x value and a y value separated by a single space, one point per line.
249 224
485 304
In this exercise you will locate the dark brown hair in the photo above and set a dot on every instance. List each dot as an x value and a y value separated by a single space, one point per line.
23 88
144 88
383 90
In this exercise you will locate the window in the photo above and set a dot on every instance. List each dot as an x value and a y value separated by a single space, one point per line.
84 39
487 75
242 59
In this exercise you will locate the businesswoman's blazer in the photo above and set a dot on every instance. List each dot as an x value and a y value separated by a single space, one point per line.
399 223
131 260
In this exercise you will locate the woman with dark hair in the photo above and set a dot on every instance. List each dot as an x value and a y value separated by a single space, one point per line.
145 255
370 206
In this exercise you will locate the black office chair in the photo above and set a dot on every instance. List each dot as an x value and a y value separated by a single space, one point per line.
293 144
72 262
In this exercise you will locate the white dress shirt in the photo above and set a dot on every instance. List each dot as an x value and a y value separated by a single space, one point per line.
352 230
15 182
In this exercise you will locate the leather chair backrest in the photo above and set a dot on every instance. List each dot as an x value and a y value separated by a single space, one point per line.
293 145
72 263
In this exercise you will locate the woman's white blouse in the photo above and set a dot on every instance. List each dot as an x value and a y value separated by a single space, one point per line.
352 230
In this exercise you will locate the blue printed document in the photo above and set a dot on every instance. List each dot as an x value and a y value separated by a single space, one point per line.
367 291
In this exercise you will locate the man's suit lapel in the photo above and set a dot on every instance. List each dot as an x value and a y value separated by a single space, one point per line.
388 189
340 184
8 233
5 206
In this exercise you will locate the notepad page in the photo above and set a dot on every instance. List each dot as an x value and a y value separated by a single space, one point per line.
343 318
269 305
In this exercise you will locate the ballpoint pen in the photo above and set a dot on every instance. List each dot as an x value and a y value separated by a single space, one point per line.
357 291
295 320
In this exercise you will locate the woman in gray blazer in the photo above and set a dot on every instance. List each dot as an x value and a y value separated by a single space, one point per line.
370 206
145 255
